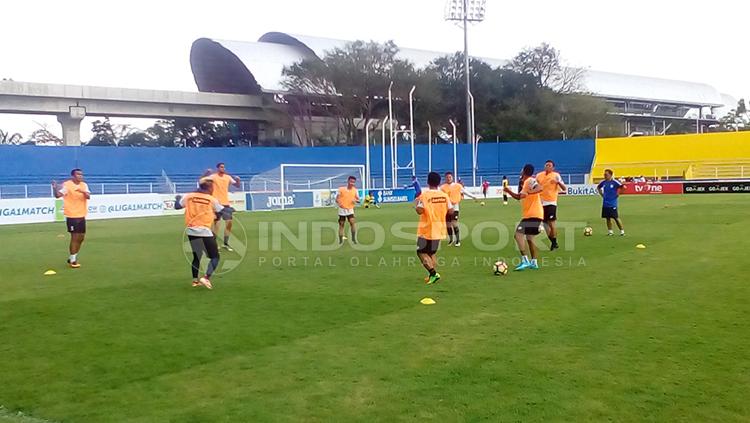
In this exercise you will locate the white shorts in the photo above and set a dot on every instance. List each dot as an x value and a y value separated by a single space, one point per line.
455 207
345 212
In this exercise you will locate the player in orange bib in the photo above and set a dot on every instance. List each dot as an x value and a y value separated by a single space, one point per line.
346 199
432 207
75 194
201 211
552 184
532 217
221 182
456 192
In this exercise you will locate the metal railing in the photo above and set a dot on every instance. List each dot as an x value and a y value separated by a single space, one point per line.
18 191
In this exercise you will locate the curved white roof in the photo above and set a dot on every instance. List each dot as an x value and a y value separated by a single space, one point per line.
266 59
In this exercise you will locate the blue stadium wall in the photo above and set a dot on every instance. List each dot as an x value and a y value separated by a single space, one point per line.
31 165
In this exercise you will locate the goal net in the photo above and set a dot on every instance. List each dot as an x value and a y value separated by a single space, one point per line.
296 185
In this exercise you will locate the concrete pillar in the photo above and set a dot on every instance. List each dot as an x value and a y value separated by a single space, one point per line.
71 128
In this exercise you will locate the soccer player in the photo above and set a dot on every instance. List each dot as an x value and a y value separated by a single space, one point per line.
485 187
370 200
432 207
75 194
551 183
506 184
221 181
610 190
456 192
414 184
532 217
201 211
347 197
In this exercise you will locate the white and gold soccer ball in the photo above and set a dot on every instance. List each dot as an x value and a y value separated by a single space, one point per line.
500 268
588 231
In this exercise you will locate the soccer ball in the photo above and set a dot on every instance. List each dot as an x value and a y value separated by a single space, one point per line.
500 268
588 231
482 204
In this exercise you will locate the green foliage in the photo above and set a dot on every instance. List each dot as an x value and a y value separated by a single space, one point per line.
351 83
536 98
737 119
171 133
546 66
10 138
511 105
104 134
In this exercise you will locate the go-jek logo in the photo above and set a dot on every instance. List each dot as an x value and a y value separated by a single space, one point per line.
280 201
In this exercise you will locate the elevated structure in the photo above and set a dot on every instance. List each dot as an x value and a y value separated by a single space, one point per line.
646 106
71 103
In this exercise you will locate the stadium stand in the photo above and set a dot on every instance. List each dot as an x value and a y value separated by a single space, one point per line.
27 170
696 156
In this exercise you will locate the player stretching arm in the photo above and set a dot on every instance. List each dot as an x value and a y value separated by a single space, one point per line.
221 182
75 194
201 211
531 217
552 184
456 193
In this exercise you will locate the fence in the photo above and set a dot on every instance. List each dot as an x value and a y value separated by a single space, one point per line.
45 190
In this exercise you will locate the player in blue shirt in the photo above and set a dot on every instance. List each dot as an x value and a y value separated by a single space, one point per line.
610 190
415 184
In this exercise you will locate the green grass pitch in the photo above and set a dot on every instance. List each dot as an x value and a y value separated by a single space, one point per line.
604 332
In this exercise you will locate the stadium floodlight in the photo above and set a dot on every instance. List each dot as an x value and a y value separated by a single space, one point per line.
429 146
464 12
475 10
455 141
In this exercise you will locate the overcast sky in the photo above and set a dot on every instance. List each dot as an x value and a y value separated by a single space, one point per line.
146 44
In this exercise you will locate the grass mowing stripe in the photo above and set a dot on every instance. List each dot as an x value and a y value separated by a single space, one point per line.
648 335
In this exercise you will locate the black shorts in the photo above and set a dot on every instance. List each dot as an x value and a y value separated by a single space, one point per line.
550 213
76 225
529 226
427 246
204 245
226 213
451 216
345 218
610 213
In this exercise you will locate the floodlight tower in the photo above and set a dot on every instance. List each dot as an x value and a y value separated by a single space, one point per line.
465 12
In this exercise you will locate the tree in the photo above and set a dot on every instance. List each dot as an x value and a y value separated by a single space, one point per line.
545 65
44 136
737 119
104 134
511 105
8 138
351 83
447 72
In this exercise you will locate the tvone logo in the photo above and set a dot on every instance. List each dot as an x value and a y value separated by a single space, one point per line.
649 188
279 201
